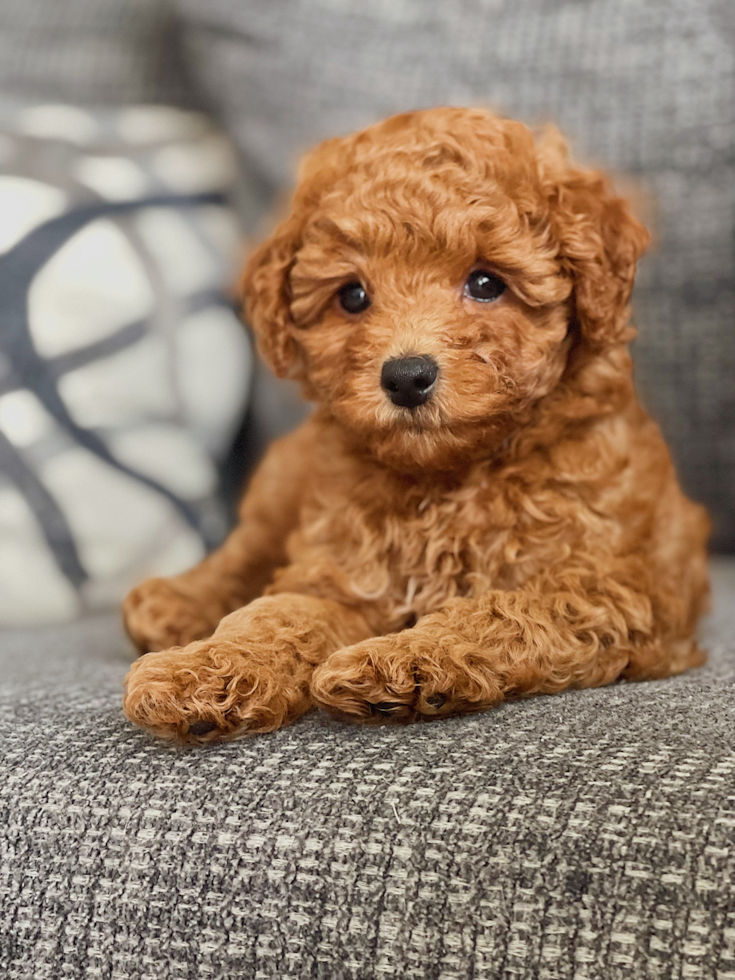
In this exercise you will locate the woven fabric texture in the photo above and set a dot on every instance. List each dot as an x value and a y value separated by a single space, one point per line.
586 836
104 52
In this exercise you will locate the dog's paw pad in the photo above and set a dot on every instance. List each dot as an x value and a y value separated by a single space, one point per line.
202 727
392 709
436 701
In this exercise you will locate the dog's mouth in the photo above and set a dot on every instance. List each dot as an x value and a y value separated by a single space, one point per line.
413 425
432 418
415 421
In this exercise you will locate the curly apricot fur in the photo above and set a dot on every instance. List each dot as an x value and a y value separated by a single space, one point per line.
252 675
522 532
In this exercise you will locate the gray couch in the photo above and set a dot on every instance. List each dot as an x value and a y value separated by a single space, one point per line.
586 836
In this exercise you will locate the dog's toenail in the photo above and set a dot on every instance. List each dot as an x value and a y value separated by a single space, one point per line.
202 727
436 701
386 707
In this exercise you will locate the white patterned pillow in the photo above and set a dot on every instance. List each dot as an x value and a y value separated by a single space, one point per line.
123 369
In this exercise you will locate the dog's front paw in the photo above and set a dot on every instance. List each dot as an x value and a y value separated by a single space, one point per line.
158 615
210 690
404 677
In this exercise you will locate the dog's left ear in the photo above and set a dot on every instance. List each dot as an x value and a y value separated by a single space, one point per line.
265 288
600 241
265 293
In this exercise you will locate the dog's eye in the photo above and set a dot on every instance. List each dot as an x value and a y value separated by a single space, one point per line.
483 286
353 298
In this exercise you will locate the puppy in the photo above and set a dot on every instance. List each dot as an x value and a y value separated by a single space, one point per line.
478 508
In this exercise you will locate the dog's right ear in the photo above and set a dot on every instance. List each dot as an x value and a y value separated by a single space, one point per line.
264 287
266 296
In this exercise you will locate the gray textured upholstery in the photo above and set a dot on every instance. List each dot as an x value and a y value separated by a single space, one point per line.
644 86
586 835
106 52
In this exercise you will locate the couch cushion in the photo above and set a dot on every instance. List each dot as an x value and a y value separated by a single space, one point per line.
105 51
586 835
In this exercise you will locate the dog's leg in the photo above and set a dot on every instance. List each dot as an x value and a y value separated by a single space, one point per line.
252 675
164 612
474 653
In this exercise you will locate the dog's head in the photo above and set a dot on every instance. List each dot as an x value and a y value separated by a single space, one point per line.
433 277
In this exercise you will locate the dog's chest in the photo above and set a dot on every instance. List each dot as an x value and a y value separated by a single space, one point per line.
407 548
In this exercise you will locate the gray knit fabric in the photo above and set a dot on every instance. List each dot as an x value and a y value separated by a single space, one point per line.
586 836
106 52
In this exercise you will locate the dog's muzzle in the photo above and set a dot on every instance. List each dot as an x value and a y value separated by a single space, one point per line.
409 381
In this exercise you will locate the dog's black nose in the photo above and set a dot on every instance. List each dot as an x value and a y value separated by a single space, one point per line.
408 381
